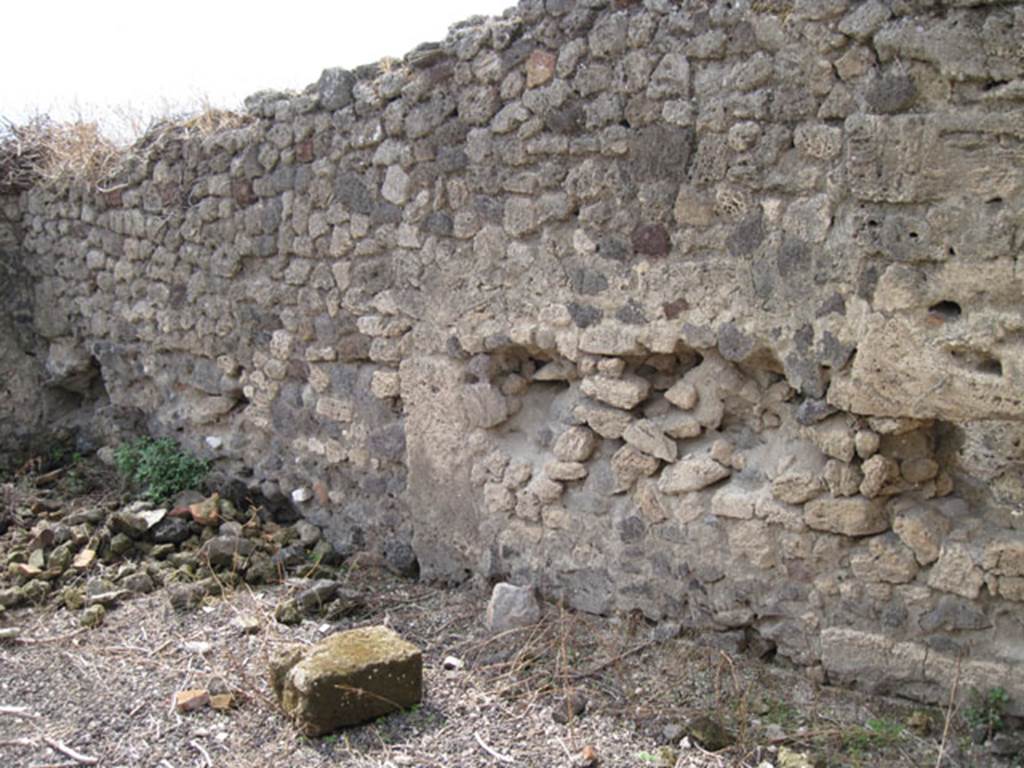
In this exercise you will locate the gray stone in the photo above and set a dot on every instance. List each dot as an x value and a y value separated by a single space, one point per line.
308 533
671 77
335 88
131 524
484 405
512 607
396 185
171 530
227 551
892 92
865 19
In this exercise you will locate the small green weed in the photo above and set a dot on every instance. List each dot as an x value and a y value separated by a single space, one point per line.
877 734
781 713
986 710
159 467
61 455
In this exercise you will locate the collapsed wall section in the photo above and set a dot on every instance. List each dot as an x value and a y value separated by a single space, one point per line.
706 310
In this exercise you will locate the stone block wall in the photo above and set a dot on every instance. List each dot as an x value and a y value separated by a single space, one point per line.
708 310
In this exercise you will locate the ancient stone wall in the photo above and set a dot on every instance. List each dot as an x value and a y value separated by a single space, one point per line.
706 310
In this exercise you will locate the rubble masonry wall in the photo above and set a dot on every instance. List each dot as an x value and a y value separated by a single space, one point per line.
706 310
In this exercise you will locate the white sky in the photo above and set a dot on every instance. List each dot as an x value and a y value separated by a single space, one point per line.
148 57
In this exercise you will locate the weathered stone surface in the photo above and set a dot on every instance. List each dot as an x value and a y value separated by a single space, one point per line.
206 512
880 476
885 559
575 444
797 487
738 503
129 523
682 394
227 551
835 438
923 530
565 470
854 516
625 393
484 405
841 478
349 678
629 465
646 436
1006 556
512 607
679 425
956 571
540 67
608 422
691 474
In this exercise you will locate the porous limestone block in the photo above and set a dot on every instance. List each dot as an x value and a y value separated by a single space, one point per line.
645 435
956 571
885 559
575 444
606 421
626 392
385 384
691 474
347 679
922 529
628 465
853 516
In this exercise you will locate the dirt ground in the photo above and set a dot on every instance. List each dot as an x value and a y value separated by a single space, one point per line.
71 696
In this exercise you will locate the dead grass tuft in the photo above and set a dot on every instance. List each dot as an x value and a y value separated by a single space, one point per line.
58 154
46 152
197 121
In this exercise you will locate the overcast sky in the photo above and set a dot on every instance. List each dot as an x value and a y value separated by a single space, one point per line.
93 55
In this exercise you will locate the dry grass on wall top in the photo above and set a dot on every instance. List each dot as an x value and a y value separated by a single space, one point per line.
44 151
57 154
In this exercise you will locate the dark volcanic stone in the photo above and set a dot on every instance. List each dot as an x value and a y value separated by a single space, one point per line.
891 93
651 240
171 530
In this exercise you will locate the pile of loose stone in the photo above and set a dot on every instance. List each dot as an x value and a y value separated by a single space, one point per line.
91 558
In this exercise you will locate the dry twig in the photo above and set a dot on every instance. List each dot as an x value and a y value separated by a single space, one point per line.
950 710
78 757
493 753
199 748
16 711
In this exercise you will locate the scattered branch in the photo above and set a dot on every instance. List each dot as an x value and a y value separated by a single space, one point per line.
496 755
78 757
206 755
950 710
16 711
